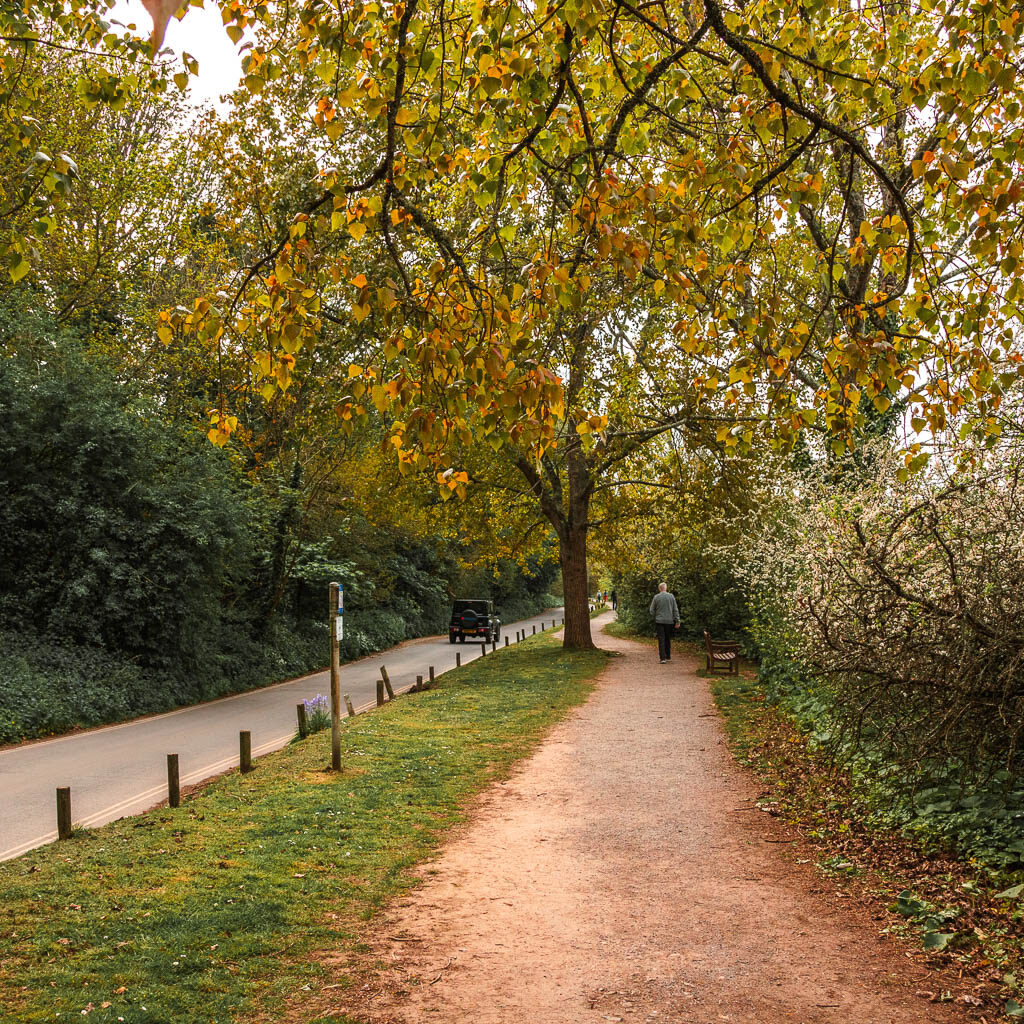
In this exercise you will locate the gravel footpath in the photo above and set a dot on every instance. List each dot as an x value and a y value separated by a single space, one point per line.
623 874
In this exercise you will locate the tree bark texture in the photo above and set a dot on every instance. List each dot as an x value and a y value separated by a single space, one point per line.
573 556
567 508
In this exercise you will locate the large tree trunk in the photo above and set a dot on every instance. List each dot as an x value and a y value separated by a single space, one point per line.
568 511
572 539
573 556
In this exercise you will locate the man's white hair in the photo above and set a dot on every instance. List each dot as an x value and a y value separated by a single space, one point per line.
663 586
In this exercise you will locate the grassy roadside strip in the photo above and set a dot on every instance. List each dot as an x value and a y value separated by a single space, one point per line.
956 910
207 913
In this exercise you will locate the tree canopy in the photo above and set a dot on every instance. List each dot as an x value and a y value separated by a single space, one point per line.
563 230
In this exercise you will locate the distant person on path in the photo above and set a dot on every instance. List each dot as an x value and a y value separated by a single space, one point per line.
615 601
666 618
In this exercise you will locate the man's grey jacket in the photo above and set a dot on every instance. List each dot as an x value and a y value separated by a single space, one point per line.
664 608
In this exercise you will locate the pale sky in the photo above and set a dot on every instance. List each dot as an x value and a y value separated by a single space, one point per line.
200 33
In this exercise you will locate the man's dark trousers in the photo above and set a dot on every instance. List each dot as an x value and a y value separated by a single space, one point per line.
664 640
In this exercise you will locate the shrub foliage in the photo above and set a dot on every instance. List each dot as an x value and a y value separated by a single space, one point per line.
888 611
141 567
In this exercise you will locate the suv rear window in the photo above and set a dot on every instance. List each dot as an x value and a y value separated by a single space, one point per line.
480 607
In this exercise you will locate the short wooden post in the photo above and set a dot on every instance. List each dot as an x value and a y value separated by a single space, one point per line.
419 684
380 693
300 714
63 812
535 629
430 672
494 645
245 751
483 649
384 675
173 785
458 659
387 686
506 639
348 706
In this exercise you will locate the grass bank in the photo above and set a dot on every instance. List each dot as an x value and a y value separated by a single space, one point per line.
207 913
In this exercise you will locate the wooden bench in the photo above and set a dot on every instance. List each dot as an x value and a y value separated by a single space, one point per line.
722 654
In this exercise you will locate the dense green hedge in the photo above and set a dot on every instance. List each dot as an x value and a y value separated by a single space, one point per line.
939 802
48 686
708 598
141 568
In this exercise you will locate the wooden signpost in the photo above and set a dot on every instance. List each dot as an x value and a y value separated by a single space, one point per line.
337 632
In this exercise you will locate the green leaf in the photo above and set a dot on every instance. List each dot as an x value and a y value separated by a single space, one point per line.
938 940
1014 1009
1010 894
17 266
908 904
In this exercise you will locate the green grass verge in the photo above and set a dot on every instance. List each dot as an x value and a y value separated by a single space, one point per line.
209 913
623 632
741 703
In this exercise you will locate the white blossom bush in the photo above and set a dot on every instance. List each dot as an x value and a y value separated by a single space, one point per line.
889 609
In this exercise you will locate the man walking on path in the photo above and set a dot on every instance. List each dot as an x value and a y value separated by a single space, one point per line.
666 618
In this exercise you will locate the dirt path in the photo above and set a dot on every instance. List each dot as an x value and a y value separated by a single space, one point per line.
623 875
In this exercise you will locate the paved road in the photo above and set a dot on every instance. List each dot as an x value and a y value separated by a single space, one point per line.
122 769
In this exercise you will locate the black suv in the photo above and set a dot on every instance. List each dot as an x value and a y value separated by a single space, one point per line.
474 619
